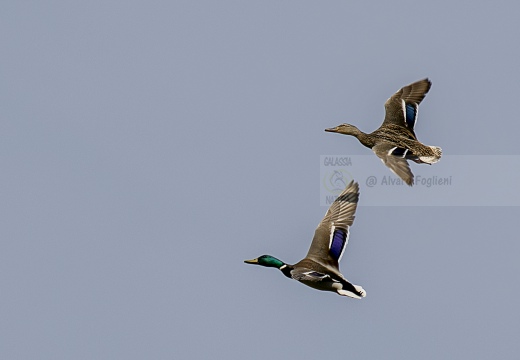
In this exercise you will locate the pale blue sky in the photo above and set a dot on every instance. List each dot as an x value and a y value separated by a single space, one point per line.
148 148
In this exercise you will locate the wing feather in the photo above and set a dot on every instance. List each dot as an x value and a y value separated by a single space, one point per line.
402 107
332 234
397 164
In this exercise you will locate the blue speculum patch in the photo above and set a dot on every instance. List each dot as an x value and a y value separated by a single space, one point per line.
338 241
398 152
316 274
411 113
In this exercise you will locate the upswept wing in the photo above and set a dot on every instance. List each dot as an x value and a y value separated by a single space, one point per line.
402 108
331 235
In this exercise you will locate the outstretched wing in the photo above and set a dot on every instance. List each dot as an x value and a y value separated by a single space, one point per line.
402 108
394 158
331 235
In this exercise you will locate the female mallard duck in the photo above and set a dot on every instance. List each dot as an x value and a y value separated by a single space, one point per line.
320 268
395 141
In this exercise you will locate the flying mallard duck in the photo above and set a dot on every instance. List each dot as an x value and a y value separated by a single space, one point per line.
320 268
395 141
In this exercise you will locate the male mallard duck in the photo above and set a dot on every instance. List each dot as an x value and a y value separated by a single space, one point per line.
320 268
395 141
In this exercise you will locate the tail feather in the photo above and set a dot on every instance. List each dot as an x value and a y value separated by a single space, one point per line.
359 294
432 159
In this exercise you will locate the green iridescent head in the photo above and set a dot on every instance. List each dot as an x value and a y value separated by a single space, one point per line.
267 261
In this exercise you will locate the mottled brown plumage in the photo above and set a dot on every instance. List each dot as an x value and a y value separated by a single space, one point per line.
395 142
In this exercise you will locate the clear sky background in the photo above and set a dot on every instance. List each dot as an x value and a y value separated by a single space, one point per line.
149 147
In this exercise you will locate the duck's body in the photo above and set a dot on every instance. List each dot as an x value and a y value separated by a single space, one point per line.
320 268
395 141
